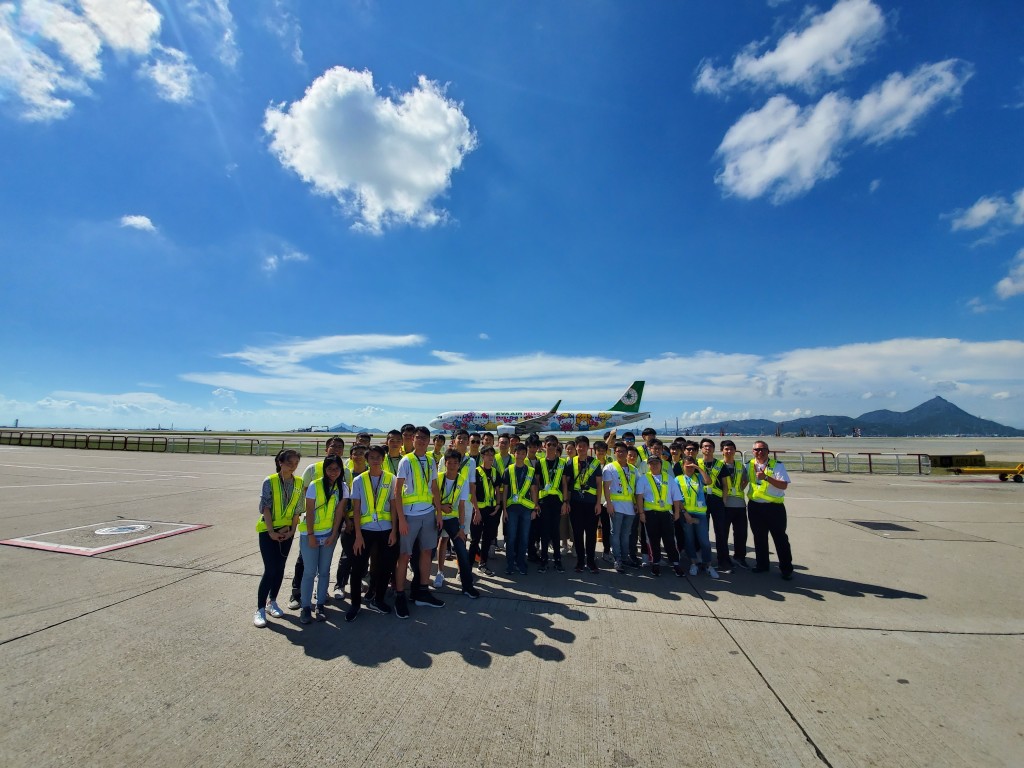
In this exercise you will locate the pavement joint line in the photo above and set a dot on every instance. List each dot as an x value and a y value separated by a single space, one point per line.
792 716
972 502
111 605
99 482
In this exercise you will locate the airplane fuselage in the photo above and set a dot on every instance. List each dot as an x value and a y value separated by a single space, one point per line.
560 421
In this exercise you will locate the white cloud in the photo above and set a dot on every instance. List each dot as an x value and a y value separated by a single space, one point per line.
172 73
138 222
282 22
782 150
384 159
272 262
1004 395
224 395
978 306
825 47
891 109
214 18
483 337
998 213
874 185
1013 284
126 25
50 51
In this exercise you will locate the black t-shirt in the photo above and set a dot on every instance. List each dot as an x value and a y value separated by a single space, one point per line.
592 482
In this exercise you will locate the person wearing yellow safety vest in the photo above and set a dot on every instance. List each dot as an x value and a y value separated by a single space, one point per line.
394 454
692 484
408 435
453 489
437 455
565 524
484 527
583 476
461 442
716 502
503 459
553 492
619 478
376 539
605 523
766 508
319 528
335 447
279 517
416 505
519 500
733 479
659 503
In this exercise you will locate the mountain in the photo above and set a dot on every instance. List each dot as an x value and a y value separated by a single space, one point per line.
341 426
935 417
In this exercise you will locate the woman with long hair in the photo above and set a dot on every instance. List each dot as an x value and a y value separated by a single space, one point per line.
324 513
279 516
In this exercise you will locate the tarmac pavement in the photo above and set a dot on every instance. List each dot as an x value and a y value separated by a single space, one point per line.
898 650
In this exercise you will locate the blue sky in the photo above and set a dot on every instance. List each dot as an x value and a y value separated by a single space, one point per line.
278 214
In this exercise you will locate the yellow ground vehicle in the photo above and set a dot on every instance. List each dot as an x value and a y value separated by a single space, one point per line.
1005 473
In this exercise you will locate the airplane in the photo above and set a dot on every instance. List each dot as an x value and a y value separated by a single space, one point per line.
625 411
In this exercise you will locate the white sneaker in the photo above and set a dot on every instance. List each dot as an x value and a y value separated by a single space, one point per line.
339 594
693 569
260 618
439 580
274 609
712 572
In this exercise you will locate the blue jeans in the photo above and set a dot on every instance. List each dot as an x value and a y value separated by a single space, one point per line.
316 563
622 524
518 536
697 531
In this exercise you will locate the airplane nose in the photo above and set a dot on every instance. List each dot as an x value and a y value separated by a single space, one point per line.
434 423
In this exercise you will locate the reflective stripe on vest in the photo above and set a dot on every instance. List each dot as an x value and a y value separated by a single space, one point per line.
376 508
391 463
420 491
641 451
552 484
759 490
660 493
515 498
503 464
282 516
580 482
451 497
693 494
734 482
487 483
627 483
323 512
713 473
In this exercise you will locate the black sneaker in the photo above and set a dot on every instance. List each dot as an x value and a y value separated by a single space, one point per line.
401 606
741 562
542 568
471 592
787 576
725 568
594 569
305 616
759 569
655 570
558 566
522 571
351 613
486 570
294 603
378 606
579 568
634 562
321 614
426 597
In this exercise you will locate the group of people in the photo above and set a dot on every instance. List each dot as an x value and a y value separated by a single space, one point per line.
396 507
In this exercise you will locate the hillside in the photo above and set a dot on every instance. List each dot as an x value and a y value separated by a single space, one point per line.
934 417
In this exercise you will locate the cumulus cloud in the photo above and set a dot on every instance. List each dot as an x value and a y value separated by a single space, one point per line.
384 159
224 395
782 149
138 222
823 48
1013 284
50 51
997 213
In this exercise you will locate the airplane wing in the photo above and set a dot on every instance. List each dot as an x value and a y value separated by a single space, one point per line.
537 423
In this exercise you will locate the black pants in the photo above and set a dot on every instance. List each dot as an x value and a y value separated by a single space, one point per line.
661 528
533 545
723 518
606 529
275 555
550 524
584 529
483 534
765 518
380 557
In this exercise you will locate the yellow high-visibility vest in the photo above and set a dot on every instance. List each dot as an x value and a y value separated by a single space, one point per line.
627 481
661 501
420 490
693 494
758 491
323 512
526 501
376 508
581 481
552 484
713 472
282 515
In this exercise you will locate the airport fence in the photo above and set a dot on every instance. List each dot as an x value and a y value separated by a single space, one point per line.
224 446
797 461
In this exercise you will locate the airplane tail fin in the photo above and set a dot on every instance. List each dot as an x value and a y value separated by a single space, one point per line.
630 400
